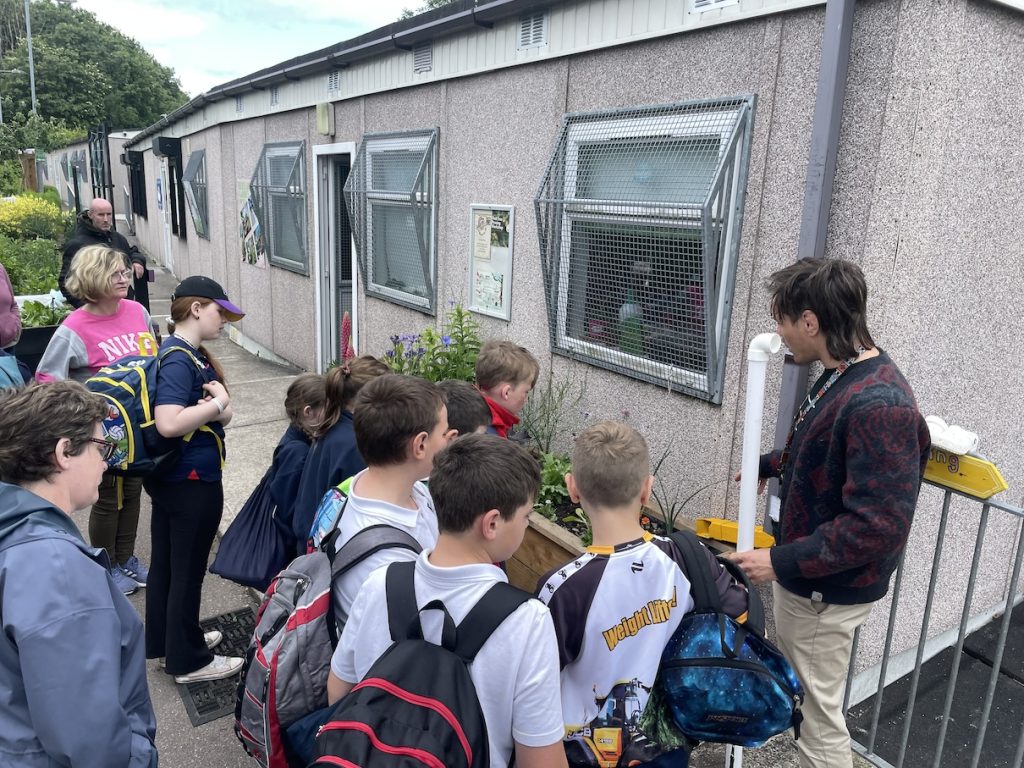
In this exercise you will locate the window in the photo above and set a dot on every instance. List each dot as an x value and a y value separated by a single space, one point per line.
275 96
137 182
239 104
334 81
195 192
279 195
639 221
391 197
423 57
533 31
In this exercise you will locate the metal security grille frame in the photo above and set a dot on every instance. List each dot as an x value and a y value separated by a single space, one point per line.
194 180
639 217
278 190
939 736
391 195
137 183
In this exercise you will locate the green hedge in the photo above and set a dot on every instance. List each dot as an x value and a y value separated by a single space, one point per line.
33 265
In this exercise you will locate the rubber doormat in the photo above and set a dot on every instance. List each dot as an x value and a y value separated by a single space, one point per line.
212 699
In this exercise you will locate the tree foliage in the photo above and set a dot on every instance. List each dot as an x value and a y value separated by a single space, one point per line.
86 71
407 13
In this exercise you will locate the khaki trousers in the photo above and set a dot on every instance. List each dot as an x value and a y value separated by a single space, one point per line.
817 638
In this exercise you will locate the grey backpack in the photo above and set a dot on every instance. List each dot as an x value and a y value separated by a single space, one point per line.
289 657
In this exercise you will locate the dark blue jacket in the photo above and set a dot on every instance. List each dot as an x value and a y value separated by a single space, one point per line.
286 472
333 458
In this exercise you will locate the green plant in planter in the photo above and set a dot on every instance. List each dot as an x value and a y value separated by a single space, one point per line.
36 314
32 265
435 356
552 484
579 517
671 501
553 409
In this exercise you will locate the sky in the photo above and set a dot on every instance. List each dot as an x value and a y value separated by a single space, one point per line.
209 42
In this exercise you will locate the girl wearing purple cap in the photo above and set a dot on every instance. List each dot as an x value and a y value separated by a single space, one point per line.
193 403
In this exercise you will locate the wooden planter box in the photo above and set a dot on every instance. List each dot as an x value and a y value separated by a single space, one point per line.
32 344
545 546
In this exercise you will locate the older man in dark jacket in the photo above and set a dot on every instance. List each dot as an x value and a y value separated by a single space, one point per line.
96 227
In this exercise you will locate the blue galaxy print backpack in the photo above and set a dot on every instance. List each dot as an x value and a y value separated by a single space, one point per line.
724 681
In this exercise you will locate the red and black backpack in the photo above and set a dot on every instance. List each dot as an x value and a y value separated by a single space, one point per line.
417 705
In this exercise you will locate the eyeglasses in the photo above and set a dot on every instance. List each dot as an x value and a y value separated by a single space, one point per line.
108 447
124 275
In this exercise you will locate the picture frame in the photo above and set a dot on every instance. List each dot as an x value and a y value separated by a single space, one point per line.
491 243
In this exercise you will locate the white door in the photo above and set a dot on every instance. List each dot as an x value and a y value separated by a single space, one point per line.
335 272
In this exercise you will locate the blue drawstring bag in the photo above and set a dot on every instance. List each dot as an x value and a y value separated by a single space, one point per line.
724 681
255 547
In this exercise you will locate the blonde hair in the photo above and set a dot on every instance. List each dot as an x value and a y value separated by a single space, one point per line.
89 275
504 362
610 463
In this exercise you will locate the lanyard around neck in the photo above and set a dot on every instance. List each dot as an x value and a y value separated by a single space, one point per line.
809 403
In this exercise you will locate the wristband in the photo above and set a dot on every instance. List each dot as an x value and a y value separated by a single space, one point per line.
216 401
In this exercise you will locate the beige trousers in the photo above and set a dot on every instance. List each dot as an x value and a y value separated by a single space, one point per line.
817 638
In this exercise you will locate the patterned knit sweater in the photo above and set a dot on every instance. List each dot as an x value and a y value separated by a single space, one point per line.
849 493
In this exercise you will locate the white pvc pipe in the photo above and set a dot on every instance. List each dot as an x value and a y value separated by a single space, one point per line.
762 347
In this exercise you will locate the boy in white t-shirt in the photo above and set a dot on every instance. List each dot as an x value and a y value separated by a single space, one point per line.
616 606
400 423
484 488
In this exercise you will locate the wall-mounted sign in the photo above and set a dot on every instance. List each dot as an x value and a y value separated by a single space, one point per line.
159 194
254 247
490 259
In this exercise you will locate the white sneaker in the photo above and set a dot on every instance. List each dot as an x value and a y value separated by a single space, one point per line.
211 638
218 669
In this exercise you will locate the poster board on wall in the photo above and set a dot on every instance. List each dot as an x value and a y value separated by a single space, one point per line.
491 230
254 247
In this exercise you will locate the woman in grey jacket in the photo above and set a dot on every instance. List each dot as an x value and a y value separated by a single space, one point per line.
72 662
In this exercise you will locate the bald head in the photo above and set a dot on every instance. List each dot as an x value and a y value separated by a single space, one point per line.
101 214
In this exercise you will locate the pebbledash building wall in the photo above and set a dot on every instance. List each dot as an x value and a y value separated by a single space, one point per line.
681 210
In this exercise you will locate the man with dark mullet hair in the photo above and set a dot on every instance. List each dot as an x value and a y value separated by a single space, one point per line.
849 478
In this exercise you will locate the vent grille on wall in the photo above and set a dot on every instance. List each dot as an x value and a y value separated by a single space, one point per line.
700 6
533 30
423 57
334 81
239 104
275 96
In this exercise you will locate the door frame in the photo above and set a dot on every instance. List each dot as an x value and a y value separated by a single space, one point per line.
324 192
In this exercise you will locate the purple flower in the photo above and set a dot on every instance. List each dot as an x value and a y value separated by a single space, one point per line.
451 303
390 353
446 340
421 351
395 339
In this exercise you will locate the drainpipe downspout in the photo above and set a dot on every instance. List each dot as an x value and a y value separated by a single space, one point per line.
821 171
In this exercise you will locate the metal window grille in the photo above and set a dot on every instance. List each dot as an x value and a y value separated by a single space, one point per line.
639 219
275 96
137 183
391 196
194 180
239 104
700 6
334 80
279 195
423 57
533 30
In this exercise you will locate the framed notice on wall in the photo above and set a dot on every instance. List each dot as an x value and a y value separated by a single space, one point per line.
490 259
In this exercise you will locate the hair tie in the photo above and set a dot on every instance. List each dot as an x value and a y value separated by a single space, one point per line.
345 369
